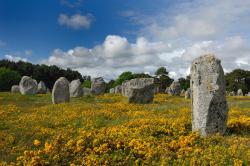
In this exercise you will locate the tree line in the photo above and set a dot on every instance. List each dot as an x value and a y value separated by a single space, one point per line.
48 74
11 72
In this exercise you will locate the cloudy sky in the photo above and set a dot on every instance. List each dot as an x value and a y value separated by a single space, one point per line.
105 38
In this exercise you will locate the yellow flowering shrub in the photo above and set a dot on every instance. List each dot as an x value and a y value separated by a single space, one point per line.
106 130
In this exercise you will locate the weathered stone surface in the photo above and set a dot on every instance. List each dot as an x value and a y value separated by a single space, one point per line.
112 90
60 91
28 86
125 86
174 89
118 89
15 89
240 92
75 88
182 92
167 90
156 89
209 105
232 93
98 86
86 91
188 93
42 88
140 90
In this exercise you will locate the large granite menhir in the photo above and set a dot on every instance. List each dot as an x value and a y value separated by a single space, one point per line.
139 90
60 92
209 105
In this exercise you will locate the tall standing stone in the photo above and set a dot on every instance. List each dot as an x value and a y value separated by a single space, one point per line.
209 105
75 88
28 86
118 89
60 92
42 88
188 93
98 86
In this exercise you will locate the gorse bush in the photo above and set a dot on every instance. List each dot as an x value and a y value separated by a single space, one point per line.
106 130
8 78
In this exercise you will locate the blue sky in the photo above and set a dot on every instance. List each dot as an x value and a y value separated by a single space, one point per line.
105 38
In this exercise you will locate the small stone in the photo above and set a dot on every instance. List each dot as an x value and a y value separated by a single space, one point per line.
240 92
42 88
112 90
86 91
15 89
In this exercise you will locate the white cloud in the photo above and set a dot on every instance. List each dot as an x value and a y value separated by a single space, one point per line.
15 58
76 21
172 38
116 55
199 20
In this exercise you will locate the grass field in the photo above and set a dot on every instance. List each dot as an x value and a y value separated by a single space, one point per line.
106 130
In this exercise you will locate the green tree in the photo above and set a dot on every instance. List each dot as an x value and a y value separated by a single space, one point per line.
123 77
8 78
161 71
87 84
162 78
184 82
238 79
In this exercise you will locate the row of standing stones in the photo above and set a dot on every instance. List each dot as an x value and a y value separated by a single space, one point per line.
207 93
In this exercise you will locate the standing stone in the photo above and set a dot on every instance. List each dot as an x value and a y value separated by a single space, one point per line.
98 86
182 92
188 93
118 89
15 89
209 105
156 89
28 86
75 88
167 90
248 94
86 91
42 88
60 91
125 85
174 89
240 92
112 90
232 93
140 90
